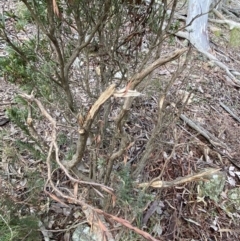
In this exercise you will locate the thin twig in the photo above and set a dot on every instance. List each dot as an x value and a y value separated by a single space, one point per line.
54 144
226 108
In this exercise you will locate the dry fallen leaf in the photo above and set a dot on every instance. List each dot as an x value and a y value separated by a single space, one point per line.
75 185
185 96
98 70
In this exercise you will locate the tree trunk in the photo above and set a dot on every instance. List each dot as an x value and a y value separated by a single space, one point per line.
197 17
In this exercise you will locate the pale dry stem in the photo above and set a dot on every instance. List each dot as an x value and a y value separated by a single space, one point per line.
72 199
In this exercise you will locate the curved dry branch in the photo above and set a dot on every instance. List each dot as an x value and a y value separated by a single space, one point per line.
85 125
54 145
138 77
98 222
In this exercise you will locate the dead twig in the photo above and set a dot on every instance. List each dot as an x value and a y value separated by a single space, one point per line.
161 109
8 103
127 224
180 180
53 144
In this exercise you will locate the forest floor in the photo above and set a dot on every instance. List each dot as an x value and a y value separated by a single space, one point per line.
197 210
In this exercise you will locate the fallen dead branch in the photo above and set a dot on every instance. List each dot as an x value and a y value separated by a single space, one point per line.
98 224
128 225
211 138
181 180
230 23
223 20
8 103
230 72
226 108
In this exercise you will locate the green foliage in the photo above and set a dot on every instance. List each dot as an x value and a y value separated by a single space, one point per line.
13 66
175 26
29 69
235 37
65 143
62 139
18 229
143 198
19 66
17 223
101 162
135 200
33 149
22 12
130 235
154 20
18 116
70 153
15 227
38 7
125 190
6 232
35 186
